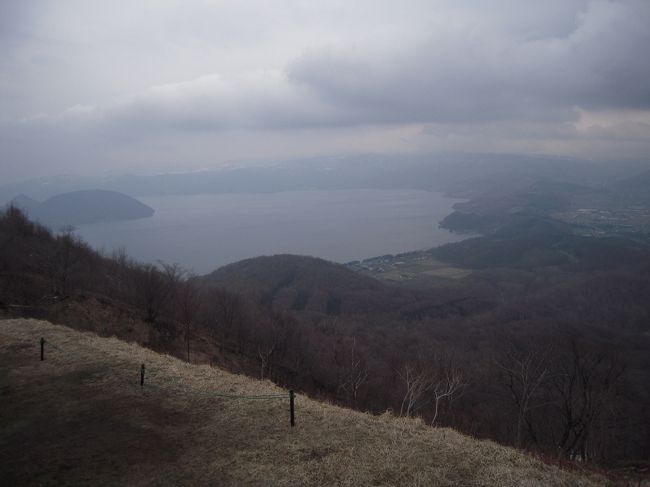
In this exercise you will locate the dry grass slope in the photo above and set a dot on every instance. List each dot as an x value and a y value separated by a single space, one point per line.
80 417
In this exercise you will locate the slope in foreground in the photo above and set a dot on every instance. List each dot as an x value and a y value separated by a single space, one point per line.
81 417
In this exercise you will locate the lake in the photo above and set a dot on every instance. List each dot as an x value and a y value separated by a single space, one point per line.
204 232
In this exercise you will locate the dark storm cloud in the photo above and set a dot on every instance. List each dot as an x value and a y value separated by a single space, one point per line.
471 72
480 76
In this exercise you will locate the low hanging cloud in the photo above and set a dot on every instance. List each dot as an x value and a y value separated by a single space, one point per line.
254 101
459 74
497 72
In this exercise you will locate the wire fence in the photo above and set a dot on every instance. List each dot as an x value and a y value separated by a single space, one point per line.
198 392
186 389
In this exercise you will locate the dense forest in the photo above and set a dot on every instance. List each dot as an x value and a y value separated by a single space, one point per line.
543 345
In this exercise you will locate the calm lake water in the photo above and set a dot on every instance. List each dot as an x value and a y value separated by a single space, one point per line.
204 232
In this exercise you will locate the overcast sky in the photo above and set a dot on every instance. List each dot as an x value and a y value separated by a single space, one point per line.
173 85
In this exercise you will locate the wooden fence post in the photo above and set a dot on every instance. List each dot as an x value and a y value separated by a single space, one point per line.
292 396
142 375
42 347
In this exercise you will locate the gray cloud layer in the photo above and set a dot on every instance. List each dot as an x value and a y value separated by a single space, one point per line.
113 85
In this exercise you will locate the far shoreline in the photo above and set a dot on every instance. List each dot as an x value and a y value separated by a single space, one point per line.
337 225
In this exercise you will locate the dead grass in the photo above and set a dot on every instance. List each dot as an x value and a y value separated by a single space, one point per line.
80 417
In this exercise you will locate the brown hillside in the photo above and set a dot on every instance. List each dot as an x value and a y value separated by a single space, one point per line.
309 284
81 417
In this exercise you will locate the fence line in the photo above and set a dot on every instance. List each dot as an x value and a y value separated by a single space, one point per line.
192 390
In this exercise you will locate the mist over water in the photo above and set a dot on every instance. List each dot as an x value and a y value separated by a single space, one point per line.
204 232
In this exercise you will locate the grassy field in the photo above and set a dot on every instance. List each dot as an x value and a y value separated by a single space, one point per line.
81 418
411 266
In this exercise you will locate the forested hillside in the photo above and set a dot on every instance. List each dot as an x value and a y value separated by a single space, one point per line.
550 357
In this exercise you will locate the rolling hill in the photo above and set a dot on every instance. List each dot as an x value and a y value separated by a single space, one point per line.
81 417
301 283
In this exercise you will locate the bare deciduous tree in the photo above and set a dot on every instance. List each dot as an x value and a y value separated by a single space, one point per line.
583 385
354 373
156 286
60 263
432 380
188 298
523 373
272 339
418 381
227 311
448 383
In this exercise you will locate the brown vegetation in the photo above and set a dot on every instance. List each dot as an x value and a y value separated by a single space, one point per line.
81 417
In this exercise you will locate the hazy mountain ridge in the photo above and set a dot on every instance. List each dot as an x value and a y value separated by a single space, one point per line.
619 208
463 175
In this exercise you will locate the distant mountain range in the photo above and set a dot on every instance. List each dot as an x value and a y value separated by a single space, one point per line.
458 174
82 207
